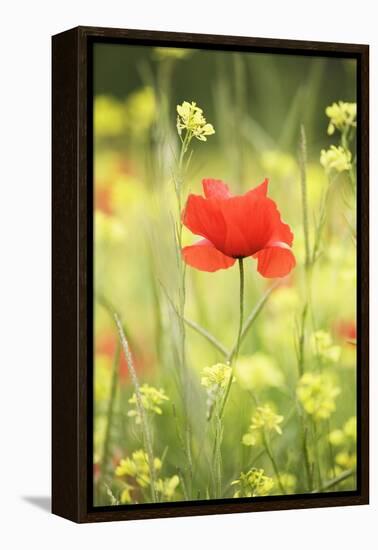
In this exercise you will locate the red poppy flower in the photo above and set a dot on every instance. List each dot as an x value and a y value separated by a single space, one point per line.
236 227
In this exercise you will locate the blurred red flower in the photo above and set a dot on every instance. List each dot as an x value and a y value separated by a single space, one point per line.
236 227
346 330
103 197
106 344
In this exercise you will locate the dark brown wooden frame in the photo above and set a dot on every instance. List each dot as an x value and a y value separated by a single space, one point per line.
72 289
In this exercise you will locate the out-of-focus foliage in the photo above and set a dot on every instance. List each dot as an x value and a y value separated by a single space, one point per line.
296 370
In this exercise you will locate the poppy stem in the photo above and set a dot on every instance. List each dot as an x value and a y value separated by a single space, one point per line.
235 354
241 309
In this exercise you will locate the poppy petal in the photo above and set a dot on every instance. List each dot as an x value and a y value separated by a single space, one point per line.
276 260
215 189
250 222
204 256
261 189
203 217
282 231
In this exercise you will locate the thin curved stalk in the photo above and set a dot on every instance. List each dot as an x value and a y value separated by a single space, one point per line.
198 328
270 454
209 337
109 414
139 403
333 482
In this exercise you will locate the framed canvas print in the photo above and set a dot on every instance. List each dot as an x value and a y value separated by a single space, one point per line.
210 274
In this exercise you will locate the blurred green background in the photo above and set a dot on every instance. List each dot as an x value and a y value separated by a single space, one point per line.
256 103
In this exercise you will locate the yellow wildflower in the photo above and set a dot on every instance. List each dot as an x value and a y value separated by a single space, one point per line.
217 375
167 487
190 118
137 467
322 346
151 397
336 437
346 460
254 483
347 435
215 379
342 115
126 497
336 159
317 393
264 419
350 428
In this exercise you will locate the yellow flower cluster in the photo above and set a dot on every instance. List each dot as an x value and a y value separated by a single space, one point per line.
254 483
215 379
346 438
152 398
264 419
348 434
317 394
323 347
336 159
217 375
190 118
167 487
342 116
346 460
137 467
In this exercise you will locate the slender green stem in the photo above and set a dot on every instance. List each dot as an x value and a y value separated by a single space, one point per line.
195 326
211 338
302 164
251 319
238 339
273 461
241 307
330 448
139 403
179 183
217 455
301 342
316 453
307 461
109 414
